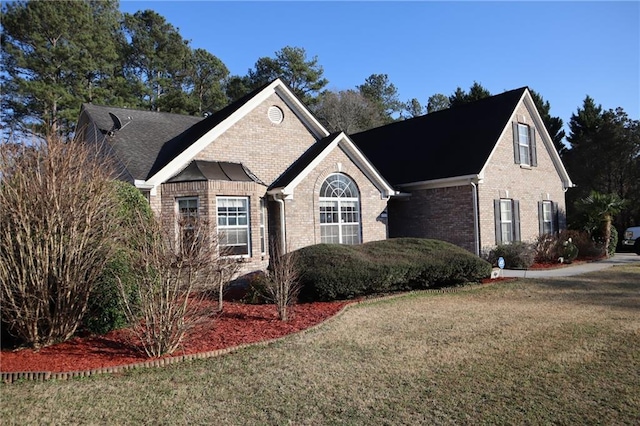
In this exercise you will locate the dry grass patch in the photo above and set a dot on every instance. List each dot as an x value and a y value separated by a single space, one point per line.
532 351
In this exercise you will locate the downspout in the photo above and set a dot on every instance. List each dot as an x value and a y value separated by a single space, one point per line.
476 231
283 233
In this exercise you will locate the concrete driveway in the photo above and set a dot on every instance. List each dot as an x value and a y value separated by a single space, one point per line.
567 271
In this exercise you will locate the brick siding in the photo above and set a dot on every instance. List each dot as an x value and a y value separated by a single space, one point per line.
441 213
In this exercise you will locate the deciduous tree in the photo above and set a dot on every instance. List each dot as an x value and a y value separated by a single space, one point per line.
347 110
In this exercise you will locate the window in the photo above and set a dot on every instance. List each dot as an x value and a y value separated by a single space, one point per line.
233 225
547 215
187 221
523 142
263 234
339 211
507 216
524 145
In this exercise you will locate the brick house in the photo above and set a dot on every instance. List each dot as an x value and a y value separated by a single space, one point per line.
261 169
264 168
475 175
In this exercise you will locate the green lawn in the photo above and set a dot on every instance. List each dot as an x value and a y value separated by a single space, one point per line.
563 351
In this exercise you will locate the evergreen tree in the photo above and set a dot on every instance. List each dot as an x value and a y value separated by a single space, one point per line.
302 75
605 157
206 75
413 108
438 102
383 95
476 92
552 124
55 55
157 60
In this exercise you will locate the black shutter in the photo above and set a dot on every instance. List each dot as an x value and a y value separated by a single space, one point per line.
555 217
516 145
541 216
532 146
496 207
516 219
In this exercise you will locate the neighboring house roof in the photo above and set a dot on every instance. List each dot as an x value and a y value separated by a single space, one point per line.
453 142
200 170
286 182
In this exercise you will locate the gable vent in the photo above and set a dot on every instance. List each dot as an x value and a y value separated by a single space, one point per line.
275 114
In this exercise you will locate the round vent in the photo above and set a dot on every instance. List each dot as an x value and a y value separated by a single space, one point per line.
275 115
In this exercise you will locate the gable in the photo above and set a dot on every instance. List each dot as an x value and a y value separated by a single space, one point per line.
267 148
303 166
547 160
216 126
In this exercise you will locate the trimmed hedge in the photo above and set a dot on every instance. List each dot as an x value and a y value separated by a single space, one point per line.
335 272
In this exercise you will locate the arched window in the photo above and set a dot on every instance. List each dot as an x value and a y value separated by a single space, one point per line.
339 211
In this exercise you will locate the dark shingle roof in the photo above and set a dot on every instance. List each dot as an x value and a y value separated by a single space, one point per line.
199 170
303 161
142 136
149 140
448 143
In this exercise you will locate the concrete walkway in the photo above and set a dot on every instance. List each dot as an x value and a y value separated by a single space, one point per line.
567 271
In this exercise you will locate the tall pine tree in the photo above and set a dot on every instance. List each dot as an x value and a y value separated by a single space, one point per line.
55 55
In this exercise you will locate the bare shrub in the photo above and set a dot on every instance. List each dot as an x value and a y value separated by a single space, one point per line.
57 226
175 277
282 281
547 247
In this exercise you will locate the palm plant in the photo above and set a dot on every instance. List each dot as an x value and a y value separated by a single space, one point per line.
598 210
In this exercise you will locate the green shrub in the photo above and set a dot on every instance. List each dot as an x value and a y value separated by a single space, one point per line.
104 310
569 251
516 255
587 247
333 271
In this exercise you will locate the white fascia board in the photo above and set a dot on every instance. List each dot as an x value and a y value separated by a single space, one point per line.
355 155
507 127
188 154
367 168
551 149
527 100
304 114
442 183
314 163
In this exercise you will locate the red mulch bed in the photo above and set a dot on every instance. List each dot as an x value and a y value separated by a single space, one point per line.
238 324
556 265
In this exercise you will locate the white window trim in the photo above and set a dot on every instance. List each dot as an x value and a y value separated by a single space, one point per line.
508 220
339 201
179 216
526 147
247 226
264 246
548 204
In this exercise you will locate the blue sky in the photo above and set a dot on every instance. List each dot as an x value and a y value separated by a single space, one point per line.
563 50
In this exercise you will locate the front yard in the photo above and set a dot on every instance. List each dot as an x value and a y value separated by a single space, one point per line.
561 351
